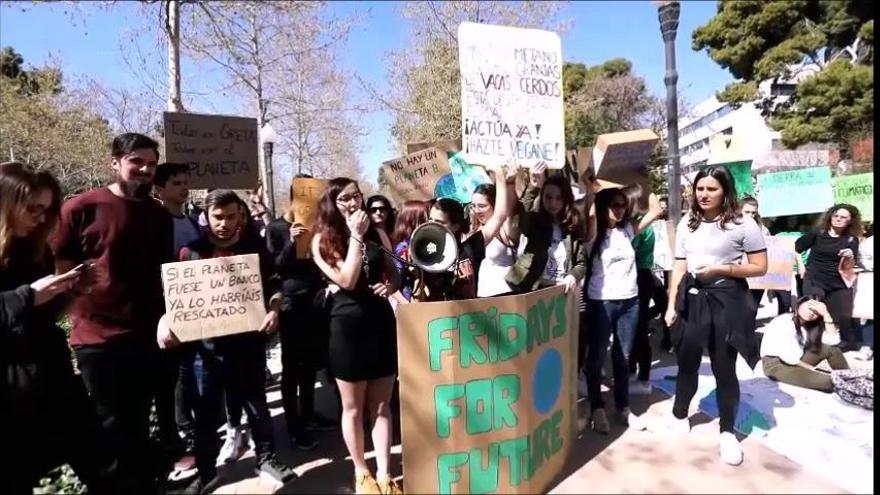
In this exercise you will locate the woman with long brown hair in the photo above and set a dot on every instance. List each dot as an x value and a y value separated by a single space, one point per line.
833 245
363 342
715 251
50 417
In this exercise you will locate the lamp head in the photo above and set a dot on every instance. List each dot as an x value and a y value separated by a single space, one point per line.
268 135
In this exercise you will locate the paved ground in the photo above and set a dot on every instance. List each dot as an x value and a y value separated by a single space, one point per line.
622 462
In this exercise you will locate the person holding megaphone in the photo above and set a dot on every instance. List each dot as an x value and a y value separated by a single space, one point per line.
357 259
449 260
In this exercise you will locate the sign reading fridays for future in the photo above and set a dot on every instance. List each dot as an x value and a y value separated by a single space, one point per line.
221 151
487 392
213 297
795 192
511 95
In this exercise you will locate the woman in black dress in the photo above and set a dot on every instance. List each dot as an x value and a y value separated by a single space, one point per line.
363 341
835 240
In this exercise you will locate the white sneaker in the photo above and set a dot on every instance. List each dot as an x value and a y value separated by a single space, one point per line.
583 391
639 387
599 422
670 425
731 452
864 354
629 419
235 445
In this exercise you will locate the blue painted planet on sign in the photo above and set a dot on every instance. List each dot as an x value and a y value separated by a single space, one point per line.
547 381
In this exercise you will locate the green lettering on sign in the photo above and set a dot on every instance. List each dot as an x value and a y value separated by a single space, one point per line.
510 348
559 306
438 341
515 450
505 393
478 418
445 407
471 326
484 479
447 470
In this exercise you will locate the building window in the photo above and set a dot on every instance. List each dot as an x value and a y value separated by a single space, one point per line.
706 120
781 89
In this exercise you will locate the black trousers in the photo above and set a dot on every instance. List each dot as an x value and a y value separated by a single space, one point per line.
649 289
302 353
55 427
723 359
840 306
120 377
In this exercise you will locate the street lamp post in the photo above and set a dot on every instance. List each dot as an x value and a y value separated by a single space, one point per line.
268 137
668 11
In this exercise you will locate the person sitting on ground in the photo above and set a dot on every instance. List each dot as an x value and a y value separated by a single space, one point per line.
792 346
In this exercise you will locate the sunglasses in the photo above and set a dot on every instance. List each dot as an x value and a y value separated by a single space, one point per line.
377 209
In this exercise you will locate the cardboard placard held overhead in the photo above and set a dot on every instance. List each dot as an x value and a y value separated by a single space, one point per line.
420 176
306 197
511 95
488 392
622 154
795 192
780 265
465 177
213 297
221 151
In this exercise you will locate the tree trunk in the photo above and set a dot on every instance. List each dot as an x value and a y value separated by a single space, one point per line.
172 30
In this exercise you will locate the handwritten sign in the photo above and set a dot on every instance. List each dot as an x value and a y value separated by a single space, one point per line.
464 178
213 297
511 95
221 151
306 196
863 296
857 190
417 176
487 391
795 192
780 265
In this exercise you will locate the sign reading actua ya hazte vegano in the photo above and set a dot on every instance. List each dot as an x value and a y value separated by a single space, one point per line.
487 392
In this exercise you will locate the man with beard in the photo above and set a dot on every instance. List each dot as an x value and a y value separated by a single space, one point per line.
123 236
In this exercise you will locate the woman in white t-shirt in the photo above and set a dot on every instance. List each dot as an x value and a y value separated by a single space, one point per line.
612 300
792 346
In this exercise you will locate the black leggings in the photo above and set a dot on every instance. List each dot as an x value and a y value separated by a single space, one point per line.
723 358
840 306
649 288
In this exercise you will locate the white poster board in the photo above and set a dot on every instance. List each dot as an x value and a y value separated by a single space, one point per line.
511 95
213 297
863 297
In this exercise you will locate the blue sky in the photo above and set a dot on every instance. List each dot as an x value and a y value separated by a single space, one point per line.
600 30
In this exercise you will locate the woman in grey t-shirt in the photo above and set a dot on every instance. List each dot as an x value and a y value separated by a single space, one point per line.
709 294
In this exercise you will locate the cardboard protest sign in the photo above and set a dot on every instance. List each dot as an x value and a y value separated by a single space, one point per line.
421 176
620 155
488 392
306 196
213 297
221 151
742 176
780 265
464 176
511 95
857 190
795 192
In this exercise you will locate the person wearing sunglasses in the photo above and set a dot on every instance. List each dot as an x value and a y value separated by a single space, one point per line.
612 299
381 213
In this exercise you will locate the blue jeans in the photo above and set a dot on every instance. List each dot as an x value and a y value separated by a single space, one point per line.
619 318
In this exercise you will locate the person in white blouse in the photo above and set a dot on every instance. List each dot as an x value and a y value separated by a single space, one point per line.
793 346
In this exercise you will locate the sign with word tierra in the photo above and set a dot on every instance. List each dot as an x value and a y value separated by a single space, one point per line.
306 194
795 192
780 265
488 392
221 151
857 190
511 95
213 297
418 176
